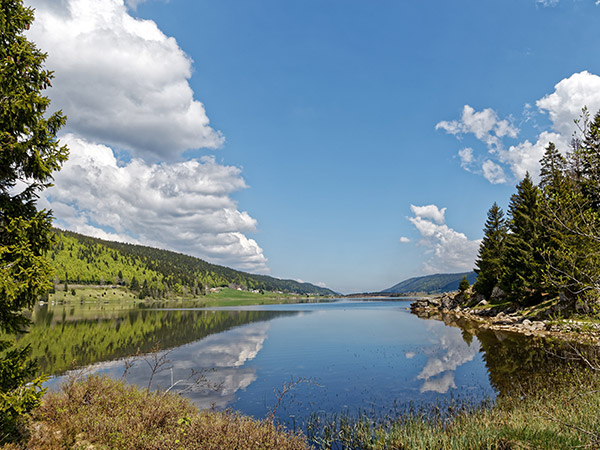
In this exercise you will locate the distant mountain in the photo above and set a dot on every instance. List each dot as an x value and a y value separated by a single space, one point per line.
431 284
86 260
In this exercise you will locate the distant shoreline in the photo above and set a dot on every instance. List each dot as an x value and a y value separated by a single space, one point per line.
414 295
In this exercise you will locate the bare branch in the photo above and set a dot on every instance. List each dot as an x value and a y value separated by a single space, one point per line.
287 387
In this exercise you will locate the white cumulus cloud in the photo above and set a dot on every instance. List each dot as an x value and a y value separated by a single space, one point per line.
450 250
562 106
124 86
183 206
493 172
429 212
133 4
547 2
466 158
569 96
120 80
555 2
485 125
525 156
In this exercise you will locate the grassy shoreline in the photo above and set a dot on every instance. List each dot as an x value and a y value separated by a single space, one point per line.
551 412
219 297
101 413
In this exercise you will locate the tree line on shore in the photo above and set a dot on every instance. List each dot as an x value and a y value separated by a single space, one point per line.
152 272
548 245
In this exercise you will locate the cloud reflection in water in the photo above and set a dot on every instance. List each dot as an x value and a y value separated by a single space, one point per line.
448 352
220 357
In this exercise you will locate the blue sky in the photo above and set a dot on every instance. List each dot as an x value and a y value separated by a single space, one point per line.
348 143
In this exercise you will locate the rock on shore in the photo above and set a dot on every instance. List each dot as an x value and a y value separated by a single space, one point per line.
507 318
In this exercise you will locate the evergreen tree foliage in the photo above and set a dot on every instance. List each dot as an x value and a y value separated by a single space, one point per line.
573 254
590 151
29 155
463 285
88 260
553 166
552 245
489 261
523 263
572 221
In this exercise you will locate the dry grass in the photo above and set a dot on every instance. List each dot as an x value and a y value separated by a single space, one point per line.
100 413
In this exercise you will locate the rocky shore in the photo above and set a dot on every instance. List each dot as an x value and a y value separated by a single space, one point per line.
509 318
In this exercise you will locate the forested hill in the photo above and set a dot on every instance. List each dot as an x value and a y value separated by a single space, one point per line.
431 284
153 272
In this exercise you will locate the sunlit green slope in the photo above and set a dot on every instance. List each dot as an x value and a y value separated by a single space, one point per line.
79 259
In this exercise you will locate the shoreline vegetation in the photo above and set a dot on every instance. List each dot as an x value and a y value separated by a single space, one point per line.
542 320
216 297
100 413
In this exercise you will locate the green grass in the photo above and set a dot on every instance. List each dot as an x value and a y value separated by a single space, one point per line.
222 297
233 297
92 294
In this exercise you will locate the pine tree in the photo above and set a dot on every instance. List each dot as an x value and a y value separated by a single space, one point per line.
523 263
463 285
29 155
555 188
572 221
590 149
135 285
491 250
553 166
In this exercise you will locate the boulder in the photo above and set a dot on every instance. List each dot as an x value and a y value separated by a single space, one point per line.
538 325
448 302
497 295
435 301
422 303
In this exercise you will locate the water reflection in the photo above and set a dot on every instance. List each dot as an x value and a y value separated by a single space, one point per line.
512 360
440 384
221 357
448 351
68 336
371 355
209 371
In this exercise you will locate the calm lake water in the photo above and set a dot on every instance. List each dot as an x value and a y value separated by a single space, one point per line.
354 355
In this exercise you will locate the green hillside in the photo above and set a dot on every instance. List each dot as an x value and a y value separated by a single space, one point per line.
431 284
79 259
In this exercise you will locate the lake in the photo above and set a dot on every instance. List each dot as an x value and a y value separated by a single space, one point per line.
345 356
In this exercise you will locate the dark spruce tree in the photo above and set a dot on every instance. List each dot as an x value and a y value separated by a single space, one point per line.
590 151
552 171
29 155
489 261
572 221
555 187
463 285
523 262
